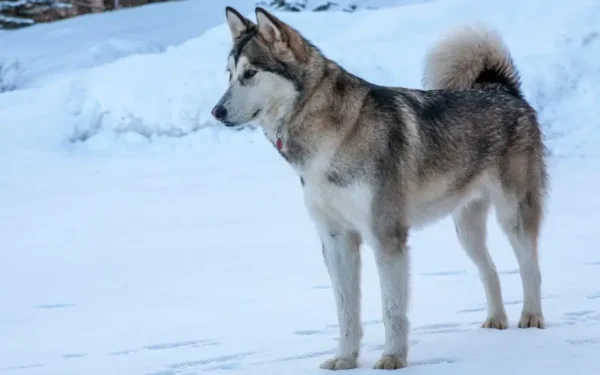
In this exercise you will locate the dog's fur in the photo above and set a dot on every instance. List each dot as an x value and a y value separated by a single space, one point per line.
377 161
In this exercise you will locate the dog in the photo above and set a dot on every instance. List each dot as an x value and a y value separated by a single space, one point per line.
376 161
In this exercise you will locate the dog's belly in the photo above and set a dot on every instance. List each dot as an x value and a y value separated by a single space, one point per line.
351 207
340 208
424 213
437 201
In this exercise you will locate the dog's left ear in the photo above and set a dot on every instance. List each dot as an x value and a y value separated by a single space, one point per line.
274 32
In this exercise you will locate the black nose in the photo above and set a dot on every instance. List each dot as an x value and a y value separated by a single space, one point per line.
219 112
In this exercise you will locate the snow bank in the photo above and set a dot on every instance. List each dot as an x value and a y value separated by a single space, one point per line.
49 49
168 95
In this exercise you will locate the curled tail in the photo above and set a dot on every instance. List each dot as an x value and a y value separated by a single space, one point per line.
471 58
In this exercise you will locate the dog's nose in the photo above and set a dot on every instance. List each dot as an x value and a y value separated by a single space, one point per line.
219 112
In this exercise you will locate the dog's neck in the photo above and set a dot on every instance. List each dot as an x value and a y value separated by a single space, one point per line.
287 143
302 131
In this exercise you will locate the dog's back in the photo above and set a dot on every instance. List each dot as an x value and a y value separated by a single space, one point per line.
475 128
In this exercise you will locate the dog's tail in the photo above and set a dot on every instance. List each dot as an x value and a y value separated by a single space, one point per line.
471 57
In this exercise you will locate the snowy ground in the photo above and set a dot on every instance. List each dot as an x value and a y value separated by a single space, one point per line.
181 265
138 237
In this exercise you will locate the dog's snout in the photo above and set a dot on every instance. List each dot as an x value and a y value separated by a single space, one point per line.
219 112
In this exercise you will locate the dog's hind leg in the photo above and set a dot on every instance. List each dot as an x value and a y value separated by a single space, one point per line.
341 252
519 208
470 224
520 217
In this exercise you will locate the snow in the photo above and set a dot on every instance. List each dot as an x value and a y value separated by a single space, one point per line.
181 265
139 237
98 95
95 39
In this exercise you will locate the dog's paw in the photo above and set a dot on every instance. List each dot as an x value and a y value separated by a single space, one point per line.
390 362
339 364
496 322
531 320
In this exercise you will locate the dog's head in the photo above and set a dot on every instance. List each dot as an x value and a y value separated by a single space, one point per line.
267 67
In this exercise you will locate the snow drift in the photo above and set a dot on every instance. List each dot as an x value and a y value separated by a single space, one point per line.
145 99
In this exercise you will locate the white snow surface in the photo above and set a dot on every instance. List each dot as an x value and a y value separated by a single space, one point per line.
96 39
137 236
181 265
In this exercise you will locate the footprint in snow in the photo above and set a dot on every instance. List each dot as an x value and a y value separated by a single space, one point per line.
438 328
433 361
55 306
73 355
123 352
586 341
593 263
580 317
22 367
509 272
170 345
305 356
225 362
579 313
309 332
594 296
472 310
445 273
181 344
320 287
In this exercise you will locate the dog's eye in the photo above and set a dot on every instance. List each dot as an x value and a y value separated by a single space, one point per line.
249 73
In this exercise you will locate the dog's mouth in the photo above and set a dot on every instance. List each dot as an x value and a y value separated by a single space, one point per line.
238 125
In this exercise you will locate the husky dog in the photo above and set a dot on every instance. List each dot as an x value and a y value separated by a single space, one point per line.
376 161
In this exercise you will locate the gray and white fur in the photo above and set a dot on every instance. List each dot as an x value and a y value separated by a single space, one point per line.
376 161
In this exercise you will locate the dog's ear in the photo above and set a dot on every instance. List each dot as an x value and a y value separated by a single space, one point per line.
270 27
238 24
274 31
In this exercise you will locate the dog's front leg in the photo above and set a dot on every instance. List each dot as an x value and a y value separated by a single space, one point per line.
391 256
341 252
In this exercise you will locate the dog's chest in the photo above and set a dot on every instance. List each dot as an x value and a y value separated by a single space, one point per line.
346 206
